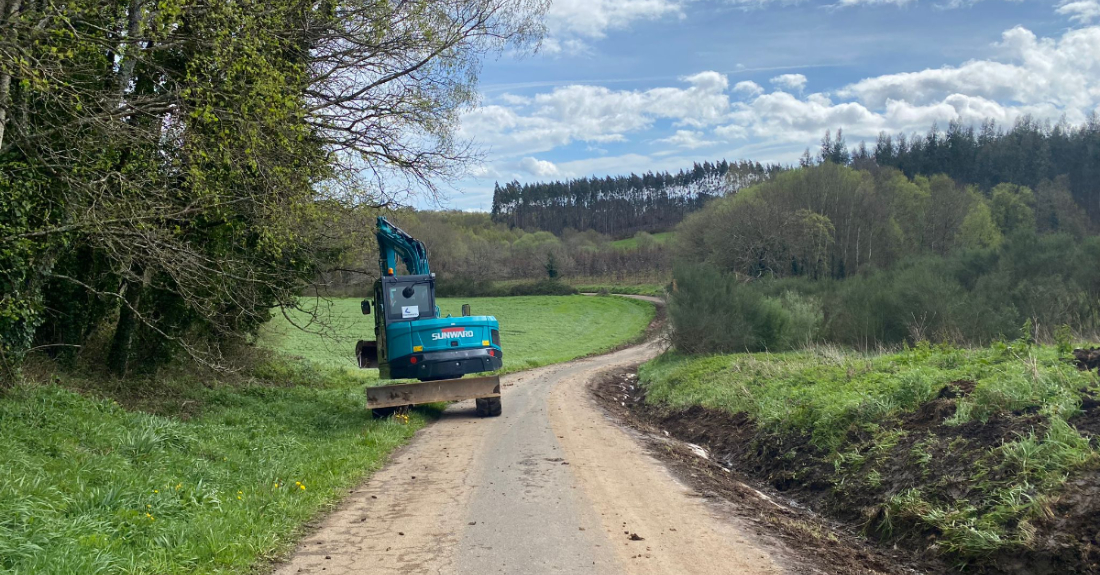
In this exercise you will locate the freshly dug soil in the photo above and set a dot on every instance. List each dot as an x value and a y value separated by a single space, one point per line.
1088 359
938 459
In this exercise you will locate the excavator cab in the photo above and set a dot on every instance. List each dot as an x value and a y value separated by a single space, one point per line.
413 342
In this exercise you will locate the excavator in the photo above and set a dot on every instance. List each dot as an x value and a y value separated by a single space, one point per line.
414 341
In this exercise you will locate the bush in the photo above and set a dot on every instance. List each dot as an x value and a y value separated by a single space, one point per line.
467 287
971 297
712 312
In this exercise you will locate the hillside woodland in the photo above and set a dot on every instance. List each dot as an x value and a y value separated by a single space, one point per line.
872 257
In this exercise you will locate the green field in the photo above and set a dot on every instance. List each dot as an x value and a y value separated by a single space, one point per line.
186 473
971 445
537 330
632 243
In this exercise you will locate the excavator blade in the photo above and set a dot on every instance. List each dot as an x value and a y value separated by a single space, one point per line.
432 391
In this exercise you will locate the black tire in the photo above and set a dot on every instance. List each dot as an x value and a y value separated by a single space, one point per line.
488 406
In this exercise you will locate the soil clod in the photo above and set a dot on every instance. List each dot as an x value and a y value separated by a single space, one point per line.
1087 359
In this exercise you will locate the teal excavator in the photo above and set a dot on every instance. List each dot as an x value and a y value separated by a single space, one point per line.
413 341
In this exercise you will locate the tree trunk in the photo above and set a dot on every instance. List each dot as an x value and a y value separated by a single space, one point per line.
7 15
118 359
130 53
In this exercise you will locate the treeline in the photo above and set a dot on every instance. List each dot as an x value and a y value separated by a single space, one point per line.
1028 154
831 221
170 172
827 253
620 206
469 249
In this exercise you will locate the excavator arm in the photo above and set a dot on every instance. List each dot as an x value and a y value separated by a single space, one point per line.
393 243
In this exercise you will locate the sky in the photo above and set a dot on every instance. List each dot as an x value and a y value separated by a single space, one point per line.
621 86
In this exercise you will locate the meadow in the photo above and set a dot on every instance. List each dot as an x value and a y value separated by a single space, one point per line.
534 330
631 243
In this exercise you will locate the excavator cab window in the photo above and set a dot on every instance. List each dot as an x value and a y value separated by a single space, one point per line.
408 299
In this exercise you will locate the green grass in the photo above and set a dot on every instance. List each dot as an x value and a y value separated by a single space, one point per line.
89 487
632 242
851 406
204 477
652 290
825 391
535 331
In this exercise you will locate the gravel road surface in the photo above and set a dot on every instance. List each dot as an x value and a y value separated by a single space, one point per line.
552 486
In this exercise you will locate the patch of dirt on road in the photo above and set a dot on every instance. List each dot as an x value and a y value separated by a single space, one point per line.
780 478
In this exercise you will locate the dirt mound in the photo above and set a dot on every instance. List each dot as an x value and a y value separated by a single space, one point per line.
856 485
1087 359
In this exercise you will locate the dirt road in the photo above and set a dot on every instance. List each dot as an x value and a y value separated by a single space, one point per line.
552 486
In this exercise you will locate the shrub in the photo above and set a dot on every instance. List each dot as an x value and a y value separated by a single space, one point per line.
543 287
467 287
712 312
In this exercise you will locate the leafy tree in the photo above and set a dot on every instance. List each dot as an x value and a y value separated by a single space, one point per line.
171 170
1012 208
979 230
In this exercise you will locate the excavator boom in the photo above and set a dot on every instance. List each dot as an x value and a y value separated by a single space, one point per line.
393 242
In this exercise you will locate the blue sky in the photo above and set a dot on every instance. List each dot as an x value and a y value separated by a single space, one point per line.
636 85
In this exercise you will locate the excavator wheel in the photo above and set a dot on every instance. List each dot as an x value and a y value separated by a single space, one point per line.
488 406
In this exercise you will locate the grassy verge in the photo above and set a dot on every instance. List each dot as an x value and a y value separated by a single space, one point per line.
985 456
89 487
653 290
186 473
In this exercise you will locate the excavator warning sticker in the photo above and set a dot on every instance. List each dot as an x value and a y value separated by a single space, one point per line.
408 311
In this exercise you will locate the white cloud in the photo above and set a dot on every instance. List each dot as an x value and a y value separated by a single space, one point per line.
731 132
748 87
1060 72
570 22
1082 11
790 81
514 100
538 168
596 114
688 139
847 3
